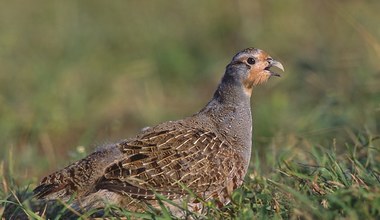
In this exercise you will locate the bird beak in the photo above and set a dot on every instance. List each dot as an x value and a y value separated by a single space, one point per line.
276 64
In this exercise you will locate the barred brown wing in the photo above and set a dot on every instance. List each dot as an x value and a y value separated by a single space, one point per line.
164 162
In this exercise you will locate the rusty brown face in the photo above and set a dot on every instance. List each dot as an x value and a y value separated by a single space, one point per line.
258 63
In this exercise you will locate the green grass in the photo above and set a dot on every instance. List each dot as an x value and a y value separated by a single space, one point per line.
331 185
77 75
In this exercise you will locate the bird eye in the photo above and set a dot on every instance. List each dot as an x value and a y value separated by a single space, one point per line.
251 60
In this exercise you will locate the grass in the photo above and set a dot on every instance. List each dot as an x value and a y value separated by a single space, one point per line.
331 185
77 75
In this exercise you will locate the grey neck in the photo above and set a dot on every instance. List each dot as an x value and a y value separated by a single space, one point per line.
230 109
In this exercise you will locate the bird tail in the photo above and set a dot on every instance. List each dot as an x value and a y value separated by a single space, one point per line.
79 177
60 184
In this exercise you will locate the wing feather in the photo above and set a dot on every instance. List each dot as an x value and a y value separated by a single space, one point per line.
165 161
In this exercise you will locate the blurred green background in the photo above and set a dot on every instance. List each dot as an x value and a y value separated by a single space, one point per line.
86 73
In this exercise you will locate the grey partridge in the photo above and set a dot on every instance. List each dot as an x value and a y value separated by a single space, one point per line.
207 153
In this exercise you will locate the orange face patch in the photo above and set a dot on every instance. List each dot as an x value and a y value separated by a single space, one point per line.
257 74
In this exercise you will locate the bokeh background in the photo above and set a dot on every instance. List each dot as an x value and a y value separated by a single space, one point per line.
78 74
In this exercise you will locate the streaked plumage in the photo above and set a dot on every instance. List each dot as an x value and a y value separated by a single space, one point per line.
208 153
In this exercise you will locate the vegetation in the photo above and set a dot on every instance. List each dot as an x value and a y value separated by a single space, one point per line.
76 75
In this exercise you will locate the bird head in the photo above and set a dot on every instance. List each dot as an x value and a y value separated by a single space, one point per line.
252 67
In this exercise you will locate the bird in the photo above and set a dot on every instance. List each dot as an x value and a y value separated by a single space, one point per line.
206 154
